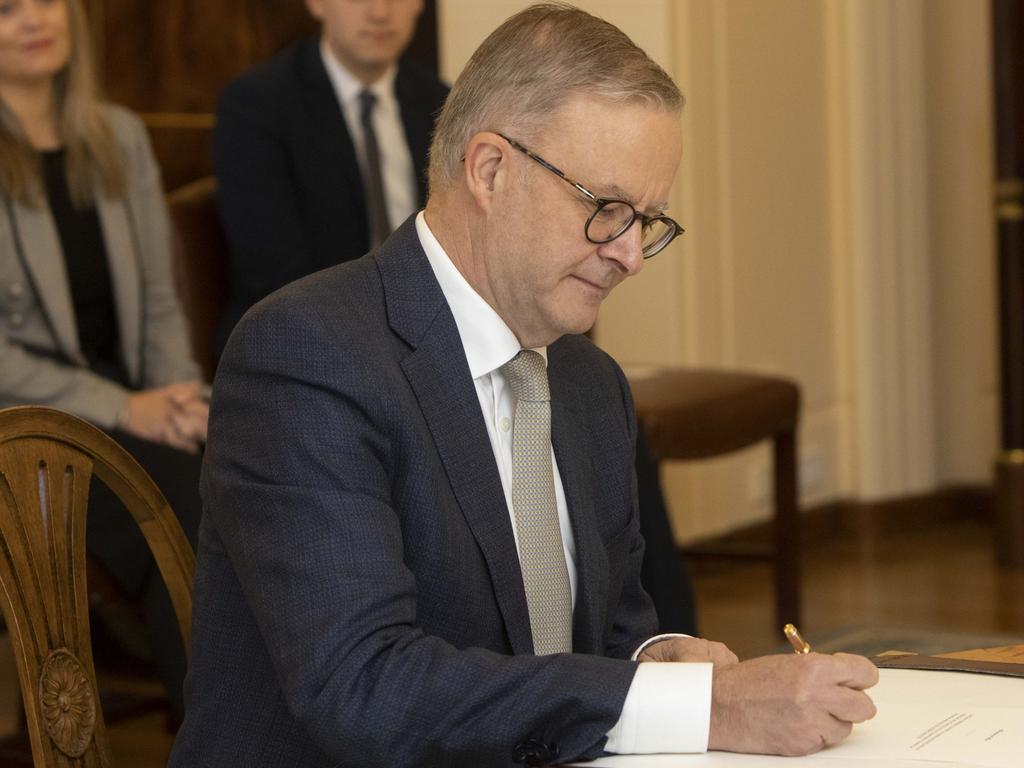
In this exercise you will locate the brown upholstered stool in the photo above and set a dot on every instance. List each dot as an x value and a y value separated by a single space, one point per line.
691 414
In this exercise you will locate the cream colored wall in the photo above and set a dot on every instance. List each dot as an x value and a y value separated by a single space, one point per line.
961 161
758 295
835 193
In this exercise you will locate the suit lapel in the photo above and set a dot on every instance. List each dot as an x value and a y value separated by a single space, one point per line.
571 451
126 279
42 257
439 375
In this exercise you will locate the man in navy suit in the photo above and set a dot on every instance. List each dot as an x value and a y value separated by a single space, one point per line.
391 571
290 148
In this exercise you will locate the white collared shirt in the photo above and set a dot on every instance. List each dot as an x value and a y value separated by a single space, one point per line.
396 164
668 706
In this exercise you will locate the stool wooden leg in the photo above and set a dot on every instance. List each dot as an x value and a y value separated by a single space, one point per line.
786 530
1009 517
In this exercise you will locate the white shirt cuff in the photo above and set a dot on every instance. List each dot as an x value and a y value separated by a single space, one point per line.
667 709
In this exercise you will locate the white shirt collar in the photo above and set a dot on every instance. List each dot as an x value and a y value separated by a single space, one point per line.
488 342
347 86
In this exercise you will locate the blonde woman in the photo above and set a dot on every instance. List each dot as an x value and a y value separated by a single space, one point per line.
89 321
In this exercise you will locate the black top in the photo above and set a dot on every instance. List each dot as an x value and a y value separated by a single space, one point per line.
85 258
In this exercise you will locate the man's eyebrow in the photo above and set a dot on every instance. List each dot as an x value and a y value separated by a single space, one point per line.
615 192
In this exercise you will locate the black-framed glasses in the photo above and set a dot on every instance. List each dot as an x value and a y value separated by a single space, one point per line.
613 218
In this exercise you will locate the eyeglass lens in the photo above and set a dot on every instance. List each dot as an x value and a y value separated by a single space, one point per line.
614 218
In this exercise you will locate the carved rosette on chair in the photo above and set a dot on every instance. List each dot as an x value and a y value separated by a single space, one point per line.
67 702
47 461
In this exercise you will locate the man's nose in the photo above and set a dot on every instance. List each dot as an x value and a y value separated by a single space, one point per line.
626 250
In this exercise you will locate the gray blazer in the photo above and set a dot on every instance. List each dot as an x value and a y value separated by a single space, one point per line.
37 321
358 596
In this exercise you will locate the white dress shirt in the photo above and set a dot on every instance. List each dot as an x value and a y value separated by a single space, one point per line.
396 165
668 706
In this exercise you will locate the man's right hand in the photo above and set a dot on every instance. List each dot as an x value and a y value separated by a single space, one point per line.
791 704
175 415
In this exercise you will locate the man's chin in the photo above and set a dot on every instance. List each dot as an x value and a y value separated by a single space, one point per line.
582 324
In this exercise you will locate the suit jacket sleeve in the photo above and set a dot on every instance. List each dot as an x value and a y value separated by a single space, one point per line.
257 195
167 354
33 371
298 484
32 379
634 620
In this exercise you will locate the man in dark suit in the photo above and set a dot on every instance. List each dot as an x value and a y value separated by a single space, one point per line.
420 543
297 189
290 162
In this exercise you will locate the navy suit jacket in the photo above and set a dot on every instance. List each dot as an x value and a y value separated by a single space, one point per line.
358 597
289 187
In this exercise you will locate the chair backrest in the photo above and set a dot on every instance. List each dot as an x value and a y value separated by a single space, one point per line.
202 263
47 460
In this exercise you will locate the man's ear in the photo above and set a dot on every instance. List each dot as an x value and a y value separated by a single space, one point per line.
486 167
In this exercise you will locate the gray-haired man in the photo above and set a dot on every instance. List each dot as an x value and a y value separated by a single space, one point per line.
420 540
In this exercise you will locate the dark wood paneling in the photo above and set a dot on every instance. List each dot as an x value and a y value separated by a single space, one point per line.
175 55
183 151
169 60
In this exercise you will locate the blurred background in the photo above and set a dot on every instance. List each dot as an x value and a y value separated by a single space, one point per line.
837 191
844 216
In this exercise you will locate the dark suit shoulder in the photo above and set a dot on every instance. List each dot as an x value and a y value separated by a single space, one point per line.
575 352
420 83
594 373
273 83
342 306
336 292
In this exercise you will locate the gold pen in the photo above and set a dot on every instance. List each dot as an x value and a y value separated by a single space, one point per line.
796 639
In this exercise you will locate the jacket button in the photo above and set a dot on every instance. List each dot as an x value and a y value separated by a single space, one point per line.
534 753
16 290
16 319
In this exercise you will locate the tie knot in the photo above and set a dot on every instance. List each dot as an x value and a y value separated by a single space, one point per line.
528 376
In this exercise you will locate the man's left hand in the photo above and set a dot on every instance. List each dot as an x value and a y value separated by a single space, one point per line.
689 649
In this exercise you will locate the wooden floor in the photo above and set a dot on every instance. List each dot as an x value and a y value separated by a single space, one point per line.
937 577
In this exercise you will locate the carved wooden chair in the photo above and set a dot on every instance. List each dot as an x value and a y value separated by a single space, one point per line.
47 460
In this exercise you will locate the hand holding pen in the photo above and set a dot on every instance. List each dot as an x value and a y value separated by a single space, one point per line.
790 706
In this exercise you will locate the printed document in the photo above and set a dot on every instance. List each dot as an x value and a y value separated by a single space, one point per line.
925 717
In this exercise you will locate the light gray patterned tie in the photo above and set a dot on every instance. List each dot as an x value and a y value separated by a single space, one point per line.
541 556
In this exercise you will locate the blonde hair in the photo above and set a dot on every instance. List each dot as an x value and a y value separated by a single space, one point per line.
93 157
529 67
